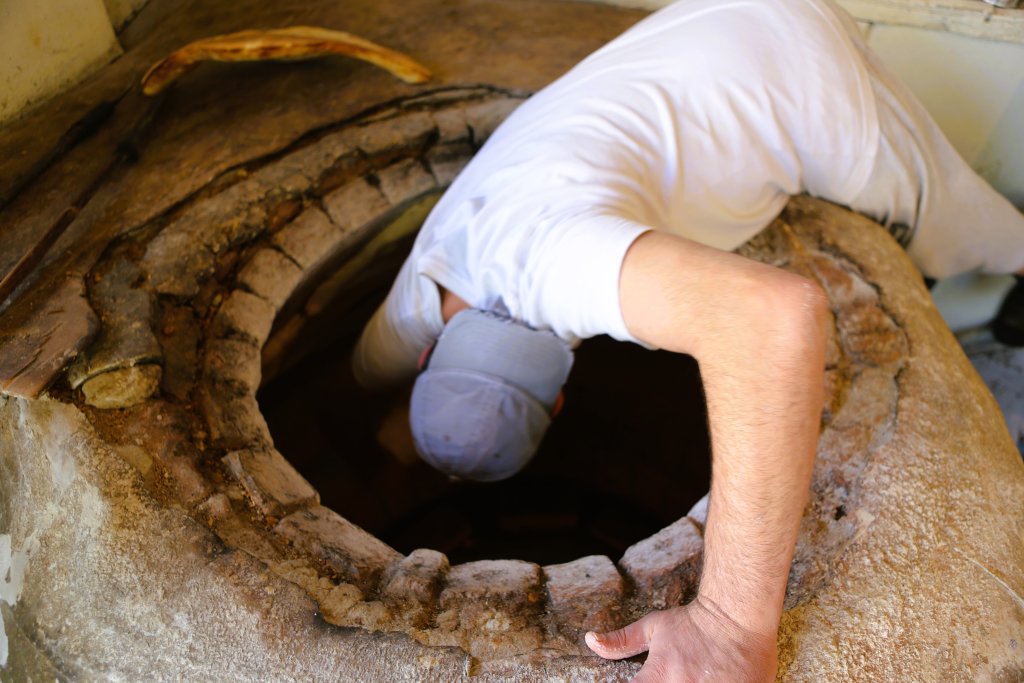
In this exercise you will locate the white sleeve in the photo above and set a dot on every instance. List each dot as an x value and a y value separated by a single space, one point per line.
571 283
408 321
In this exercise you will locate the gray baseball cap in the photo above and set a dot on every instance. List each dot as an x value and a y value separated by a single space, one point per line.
482 404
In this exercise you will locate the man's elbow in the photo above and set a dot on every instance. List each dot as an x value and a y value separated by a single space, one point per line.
808 305
795 311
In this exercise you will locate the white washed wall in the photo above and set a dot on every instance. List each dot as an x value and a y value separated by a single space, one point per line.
47 46
975 90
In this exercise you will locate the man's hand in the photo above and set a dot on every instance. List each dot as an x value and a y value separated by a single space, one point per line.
697 642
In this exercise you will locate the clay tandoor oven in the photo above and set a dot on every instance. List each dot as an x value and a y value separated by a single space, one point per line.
189 491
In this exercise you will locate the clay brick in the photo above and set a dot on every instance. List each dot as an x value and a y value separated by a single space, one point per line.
416 578
355 205
338 601
392 133
176 264
278 352
238 531
412 584
308 239
447 161
475 589
513 584
301 169
234 360
183 254
294 173
492 606
332 540
404 181
484 116
666 566
451 125
400 224
585 595
232 416
271 483
270 275
245 315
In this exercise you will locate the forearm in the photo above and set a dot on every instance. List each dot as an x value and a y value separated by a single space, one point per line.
383 358
389 348
758 334
764 406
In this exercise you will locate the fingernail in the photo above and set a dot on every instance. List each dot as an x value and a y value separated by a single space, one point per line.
592 637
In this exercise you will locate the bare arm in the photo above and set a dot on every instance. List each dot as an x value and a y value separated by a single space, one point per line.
758 334
394 434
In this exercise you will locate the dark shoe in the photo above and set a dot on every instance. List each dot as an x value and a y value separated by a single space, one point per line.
1008 327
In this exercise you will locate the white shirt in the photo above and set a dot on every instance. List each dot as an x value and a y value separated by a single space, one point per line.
701 120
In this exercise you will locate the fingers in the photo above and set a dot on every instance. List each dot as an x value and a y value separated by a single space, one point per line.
626 642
